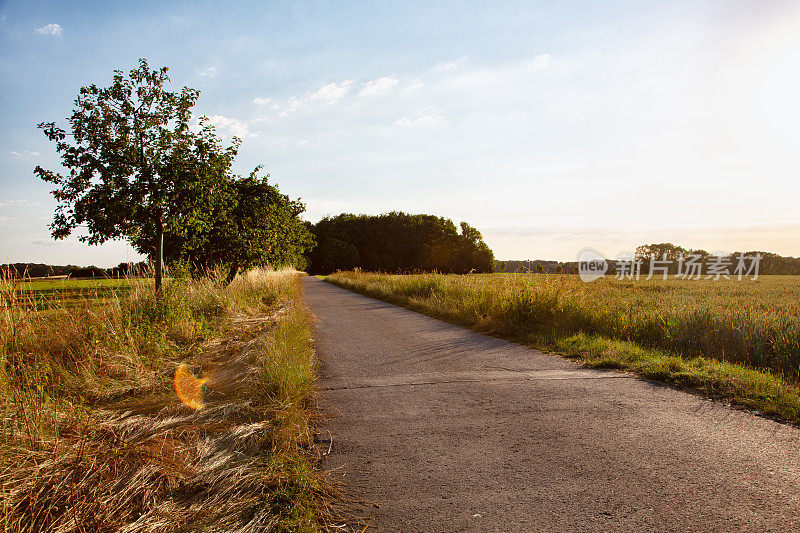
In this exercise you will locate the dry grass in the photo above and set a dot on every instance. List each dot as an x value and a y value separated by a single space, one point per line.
94 438
735 340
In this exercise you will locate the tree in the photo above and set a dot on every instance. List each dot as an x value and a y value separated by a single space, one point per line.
136 170
250 223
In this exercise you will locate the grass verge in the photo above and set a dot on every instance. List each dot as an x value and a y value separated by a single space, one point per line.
94 437
551 318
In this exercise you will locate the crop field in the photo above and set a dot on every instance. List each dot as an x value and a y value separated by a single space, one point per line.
735 339
47 294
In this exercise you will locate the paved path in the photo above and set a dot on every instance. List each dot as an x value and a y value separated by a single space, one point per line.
448 430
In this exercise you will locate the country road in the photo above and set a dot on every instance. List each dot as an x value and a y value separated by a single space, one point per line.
447 430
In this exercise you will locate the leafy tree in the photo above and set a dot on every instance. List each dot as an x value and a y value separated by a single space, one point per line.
560 269
249 223
539 268
135 167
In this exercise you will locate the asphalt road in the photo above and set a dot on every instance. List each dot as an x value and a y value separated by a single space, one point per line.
448 430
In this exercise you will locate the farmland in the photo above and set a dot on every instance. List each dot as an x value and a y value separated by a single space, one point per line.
735 340
53 293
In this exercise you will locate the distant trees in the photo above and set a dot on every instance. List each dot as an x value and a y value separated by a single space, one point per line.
770 263
137 171
398 242
40 270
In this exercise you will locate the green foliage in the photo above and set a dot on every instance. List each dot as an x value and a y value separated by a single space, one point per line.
249 223
398 242
136 170
337 255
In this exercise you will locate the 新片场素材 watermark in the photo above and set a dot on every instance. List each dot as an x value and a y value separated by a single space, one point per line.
692 266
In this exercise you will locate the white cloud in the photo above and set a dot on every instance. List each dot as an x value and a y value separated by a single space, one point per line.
43 242
291 107
452 65
327 94
266 102
231 126
332 92
19 203
429 120
414 87
50 29
210 72
7 221
378 86
25 153
540 62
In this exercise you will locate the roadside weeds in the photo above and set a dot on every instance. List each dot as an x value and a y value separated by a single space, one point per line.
95 439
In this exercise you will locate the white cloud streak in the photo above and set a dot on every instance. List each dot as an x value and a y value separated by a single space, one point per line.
266 102
19 203
331 93
54 30
231 126
377 86
210 72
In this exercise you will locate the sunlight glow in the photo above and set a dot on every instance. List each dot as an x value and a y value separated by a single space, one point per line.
189 388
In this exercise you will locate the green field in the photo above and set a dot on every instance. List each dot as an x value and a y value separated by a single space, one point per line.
46 293
739 340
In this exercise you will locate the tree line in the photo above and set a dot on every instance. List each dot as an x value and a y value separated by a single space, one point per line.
770 263
398 243
140 169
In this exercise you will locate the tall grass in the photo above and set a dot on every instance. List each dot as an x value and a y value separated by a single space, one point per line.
725 327
93 437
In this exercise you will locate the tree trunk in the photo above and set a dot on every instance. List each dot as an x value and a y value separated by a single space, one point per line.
159 256
232 273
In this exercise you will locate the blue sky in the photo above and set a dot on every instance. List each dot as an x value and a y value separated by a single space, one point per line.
551 126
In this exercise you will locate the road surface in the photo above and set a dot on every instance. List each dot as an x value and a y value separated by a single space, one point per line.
442 429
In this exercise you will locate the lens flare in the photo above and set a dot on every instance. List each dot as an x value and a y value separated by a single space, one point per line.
188 388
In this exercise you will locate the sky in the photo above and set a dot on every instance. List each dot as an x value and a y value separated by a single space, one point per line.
550 126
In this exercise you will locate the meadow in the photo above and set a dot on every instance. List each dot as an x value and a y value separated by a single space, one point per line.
42 294
735 340
94 436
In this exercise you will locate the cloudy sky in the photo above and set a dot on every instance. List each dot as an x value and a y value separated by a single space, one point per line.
550 126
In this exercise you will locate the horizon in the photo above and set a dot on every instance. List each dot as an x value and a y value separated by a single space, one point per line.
549 128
